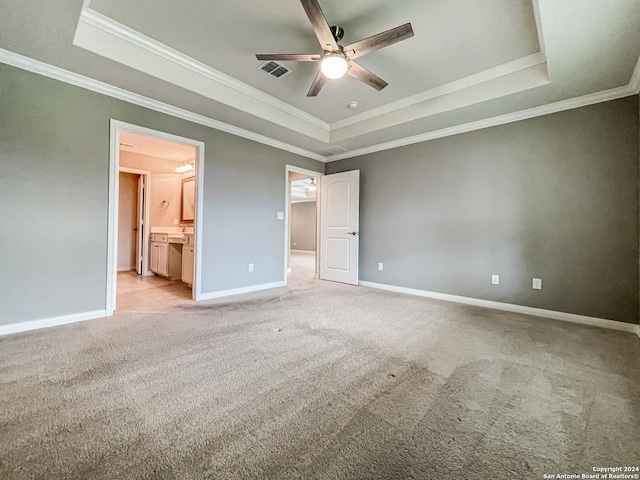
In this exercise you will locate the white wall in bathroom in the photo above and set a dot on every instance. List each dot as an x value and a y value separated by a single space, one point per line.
165 186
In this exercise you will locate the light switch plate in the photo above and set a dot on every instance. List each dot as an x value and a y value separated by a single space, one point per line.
380 266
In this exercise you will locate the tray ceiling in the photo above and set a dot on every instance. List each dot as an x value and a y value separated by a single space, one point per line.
469 63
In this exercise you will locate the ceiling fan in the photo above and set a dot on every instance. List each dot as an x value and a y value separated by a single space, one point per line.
337 60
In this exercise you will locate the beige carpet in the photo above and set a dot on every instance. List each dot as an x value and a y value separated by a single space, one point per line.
321 381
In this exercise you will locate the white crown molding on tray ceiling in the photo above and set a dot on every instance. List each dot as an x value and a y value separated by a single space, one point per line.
56 73
634 83
569 104
111 39
505 69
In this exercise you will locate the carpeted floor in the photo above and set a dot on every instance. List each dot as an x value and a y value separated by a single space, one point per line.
320 381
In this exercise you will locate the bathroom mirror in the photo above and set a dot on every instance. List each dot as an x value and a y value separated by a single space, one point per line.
188 202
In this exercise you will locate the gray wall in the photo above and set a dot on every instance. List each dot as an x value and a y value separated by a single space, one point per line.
303 226
554 197
54 157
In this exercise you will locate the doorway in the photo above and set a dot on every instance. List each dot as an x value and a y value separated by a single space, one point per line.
133 211
155 195
301 234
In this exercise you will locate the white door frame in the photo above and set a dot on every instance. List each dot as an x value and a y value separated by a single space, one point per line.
287 232
147 212
116 127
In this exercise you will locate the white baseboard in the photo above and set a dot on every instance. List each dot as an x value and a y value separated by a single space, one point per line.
303 251
538 312
126 269
239 291
51 322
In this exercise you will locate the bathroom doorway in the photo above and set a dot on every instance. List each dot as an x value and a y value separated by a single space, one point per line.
154 211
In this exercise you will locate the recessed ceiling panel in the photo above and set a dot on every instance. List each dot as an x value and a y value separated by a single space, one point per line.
452 40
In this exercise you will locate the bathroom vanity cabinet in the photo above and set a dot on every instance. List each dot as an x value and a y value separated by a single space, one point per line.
166 255
187 258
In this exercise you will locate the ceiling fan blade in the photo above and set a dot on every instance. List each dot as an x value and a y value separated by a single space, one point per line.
289 57
381 40
317 85
358 71
319 25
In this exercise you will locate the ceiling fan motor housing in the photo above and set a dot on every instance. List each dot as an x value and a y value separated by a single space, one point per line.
337 32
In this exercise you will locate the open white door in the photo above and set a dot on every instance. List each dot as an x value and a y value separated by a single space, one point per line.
140 224
339 226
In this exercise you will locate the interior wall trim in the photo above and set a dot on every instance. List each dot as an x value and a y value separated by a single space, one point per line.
56 73
634 83
101 34
508 307
569 104
442 90
239 291
138 39
51 322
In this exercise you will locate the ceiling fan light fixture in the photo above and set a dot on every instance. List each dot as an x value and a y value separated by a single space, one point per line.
334 66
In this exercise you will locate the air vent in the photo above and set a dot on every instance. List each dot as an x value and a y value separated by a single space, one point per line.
334 150
274 69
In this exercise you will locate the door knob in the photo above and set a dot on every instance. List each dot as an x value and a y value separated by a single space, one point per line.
352 233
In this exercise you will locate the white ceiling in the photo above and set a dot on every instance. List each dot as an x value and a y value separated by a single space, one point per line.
300 191
478 35
470 61
154 147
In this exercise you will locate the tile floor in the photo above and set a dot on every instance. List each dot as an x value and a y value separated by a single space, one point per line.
137 293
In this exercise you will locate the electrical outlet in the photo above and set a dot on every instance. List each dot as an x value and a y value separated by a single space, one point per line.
380 266
251 267
537 284
294 244
280 215
495 279
176 221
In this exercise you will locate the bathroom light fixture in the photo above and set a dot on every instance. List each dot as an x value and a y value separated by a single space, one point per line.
312 186
334 66
185 167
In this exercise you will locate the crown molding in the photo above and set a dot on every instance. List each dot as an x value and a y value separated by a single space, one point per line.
442 90
634 83
56 73
111 26
547 109
111 39
50 71
90 18
538 19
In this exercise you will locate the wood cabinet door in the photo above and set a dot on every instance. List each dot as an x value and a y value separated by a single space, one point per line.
154 258
163 259
187 265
